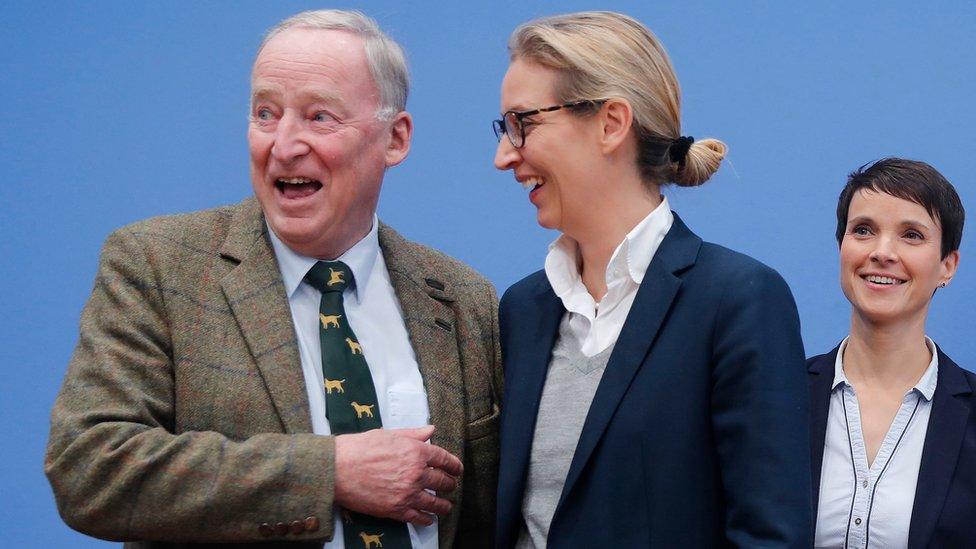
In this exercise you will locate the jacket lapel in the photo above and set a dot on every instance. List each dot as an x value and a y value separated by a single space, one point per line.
425 301
257 299
821 376
678 251
943 439
527 357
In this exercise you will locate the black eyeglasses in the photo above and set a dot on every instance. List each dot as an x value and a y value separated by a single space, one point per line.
511 122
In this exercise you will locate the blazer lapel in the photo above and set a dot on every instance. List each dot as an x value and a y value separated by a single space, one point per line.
943 439
429 319
821 376
527 358
256 296
678 251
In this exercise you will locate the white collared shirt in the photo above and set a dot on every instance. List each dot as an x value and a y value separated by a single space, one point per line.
597 325
374 314
861 506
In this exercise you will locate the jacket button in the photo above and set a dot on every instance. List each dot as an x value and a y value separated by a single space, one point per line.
312 524
266 530
281 529
297 527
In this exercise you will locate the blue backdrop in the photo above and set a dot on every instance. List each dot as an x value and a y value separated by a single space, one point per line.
118 111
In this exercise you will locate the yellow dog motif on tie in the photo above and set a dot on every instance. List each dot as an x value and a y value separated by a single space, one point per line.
354 347
329 320
370 539
362 409
334 384
335 277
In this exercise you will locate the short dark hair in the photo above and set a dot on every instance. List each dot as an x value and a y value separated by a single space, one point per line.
910 180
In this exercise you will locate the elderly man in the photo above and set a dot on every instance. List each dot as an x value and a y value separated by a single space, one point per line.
267 371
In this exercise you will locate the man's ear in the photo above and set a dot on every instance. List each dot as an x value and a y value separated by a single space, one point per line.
401 129
616 117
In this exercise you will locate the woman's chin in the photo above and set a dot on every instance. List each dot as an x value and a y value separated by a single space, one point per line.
889 316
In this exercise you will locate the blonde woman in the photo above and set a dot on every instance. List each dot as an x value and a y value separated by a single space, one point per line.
654 391
892 417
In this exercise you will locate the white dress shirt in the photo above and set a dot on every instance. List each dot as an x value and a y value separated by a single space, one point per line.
871 506
374 314
597 325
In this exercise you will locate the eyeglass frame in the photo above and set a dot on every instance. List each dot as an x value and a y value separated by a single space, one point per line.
501 128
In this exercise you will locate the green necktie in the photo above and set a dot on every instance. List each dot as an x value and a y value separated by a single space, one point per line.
350 401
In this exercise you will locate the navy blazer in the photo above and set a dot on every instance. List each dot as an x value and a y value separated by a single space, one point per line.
697 433
944 513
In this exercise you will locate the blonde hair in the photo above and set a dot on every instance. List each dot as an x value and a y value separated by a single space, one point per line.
385 58
604 55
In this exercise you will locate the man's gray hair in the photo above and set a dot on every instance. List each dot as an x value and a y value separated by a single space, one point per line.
385 58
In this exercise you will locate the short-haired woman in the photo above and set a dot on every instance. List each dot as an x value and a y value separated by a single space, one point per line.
893 430
654 383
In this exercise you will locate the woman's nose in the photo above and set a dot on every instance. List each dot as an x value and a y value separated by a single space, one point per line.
884 251
506 156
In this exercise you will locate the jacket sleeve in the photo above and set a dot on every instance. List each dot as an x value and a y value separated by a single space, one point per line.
117 469
759 413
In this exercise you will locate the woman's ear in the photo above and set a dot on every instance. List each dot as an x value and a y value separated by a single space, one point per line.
949 265
616 118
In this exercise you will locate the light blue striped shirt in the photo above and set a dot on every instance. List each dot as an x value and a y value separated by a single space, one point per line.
864 506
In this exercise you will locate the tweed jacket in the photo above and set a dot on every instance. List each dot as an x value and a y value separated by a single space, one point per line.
184 416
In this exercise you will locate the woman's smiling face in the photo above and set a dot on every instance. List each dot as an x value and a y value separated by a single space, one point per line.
890 258
556 162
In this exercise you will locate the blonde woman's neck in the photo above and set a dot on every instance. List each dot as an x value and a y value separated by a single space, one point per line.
606 226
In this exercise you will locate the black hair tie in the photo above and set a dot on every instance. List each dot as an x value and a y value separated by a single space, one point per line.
679 149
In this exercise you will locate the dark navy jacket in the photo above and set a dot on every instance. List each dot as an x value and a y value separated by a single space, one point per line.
944 514
697 435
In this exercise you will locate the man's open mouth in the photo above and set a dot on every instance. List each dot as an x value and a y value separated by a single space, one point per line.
297 187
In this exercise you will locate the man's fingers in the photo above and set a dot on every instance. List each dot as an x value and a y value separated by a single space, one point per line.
439 481
440 458
430 503
422 434
416 517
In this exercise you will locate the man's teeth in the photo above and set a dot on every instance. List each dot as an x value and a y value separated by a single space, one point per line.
530 183
882 279
295 180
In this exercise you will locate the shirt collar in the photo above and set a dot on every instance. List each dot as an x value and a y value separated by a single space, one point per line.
361 259
925 386
631 257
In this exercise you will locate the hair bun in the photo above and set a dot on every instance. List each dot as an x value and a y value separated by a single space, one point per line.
701 161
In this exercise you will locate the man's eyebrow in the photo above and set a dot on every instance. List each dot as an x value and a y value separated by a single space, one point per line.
265 92
321 96
312 96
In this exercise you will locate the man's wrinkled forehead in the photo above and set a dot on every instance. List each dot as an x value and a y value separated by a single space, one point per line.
294 55
269 91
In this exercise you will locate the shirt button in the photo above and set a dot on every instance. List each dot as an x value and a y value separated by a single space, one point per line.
857 521
864 483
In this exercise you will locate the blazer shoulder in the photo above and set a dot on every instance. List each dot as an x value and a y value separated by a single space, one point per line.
414 259
525 286
733 262
961 380
819 363
720 271
202 231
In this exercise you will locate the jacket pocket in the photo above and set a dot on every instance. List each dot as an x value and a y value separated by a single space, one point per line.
484 426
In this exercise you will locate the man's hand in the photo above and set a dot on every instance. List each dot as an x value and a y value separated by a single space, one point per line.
387 472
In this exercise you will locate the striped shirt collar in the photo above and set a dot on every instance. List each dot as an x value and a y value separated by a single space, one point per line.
925 386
